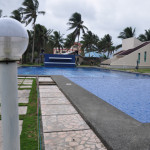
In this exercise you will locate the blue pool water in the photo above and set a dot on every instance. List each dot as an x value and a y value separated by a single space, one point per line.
128 92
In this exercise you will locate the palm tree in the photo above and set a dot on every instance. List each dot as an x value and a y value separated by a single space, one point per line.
69 41
1 13
90 42
30 12
76 23
145 37
106 45
27 55
16 14
57 40
127 33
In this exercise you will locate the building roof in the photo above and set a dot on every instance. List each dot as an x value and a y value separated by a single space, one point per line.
119 52
92 54
126 52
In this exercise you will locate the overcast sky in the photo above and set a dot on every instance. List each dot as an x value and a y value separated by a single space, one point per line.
100 16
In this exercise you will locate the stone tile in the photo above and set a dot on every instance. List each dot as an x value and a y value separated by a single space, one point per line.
23 100
63 123
52 100
48 87
30 77
72 140
52 94
23 93
45 79
25 86
49 90
22 110
57 109
20 80
28 80
20 129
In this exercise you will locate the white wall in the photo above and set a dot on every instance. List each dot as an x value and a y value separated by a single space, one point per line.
130 43
131 59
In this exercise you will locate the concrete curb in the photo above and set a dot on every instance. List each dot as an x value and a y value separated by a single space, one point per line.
117 130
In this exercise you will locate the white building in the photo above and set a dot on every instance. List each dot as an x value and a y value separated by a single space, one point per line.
133 52
75 48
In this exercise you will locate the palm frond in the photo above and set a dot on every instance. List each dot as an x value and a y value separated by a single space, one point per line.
41 12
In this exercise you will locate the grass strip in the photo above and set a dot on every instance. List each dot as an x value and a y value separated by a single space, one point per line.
144 70
23 104
29 137
24 88
21 117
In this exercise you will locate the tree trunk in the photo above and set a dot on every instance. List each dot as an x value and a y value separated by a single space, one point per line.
78 43
108 54
59 49
33 44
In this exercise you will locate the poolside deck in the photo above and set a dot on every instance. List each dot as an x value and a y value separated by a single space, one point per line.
63 127
73 118
117 130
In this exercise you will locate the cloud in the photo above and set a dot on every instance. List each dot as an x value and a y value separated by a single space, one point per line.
100 16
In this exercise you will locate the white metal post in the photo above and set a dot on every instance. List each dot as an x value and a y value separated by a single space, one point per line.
9 105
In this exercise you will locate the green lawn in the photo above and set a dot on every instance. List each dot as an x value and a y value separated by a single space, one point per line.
40 64
29 134
135 70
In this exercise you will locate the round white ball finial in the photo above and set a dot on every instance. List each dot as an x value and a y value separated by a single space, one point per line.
13 39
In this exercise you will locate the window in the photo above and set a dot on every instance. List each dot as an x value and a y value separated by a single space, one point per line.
145 53
138 58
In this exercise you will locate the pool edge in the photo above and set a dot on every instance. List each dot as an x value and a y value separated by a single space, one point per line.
116 129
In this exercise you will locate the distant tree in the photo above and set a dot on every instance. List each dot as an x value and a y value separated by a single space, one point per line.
118 46
76 23
30 12
106 45
127 33
16 14
41 37
1 13
26 57
57 40
89 42
145 37
41 42
50 44
69 41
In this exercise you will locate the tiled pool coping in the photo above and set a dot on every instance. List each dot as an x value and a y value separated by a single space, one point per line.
116 129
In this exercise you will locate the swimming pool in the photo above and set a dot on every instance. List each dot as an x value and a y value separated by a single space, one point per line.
126 91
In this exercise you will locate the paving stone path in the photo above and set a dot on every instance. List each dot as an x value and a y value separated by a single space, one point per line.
63 127
23 97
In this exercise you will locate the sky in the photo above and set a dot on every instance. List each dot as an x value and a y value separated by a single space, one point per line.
100 16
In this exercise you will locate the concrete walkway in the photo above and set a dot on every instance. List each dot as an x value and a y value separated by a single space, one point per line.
63 127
